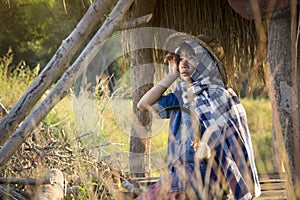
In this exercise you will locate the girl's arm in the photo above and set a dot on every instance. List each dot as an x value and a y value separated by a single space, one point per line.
148 101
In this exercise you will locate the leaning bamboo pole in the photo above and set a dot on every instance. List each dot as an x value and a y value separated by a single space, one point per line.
54 69
61 89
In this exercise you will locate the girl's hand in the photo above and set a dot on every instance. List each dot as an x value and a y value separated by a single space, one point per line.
172 60
202 150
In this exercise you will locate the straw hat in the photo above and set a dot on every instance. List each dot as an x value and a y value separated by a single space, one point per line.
209 43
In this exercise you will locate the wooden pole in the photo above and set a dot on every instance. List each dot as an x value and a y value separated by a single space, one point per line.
25 181
142 81
282 89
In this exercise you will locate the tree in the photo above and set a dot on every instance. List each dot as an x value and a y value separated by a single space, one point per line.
34 30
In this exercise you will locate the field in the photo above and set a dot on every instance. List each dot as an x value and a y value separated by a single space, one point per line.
112 123
79 132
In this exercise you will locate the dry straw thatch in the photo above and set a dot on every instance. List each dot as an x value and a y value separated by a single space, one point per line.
218 20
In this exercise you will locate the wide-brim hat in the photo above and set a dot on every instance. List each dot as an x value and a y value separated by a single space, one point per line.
210 44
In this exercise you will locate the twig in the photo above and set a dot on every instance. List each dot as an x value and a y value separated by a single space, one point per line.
25 181
84 134
3 109
106 144
58 155
58 123
7 191
109 100
135 22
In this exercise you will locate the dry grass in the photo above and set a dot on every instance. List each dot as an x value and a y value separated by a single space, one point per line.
56 142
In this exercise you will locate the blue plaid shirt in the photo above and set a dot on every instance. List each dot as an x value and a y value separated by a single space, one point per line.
224 128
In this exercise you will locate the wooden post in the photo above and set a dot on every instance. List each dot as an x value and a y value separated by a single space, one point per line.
282 96
142 81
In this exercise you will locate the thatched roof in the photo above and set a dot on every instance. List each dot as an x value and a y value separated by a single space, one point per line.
215 18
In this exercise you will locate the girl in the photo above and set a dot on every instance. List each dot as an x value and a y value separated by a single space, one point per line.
217 158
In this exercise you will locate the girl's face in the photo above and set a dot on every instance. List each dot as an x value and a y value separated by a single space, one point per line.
188 62
187 66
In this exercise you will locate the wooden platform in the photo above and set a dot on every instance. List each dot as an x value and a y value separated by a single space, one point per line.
272 186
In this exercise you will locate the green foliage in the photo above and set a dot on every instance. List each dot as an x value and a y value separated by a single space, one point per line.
262 145
14 79
115 115
259 116
34 29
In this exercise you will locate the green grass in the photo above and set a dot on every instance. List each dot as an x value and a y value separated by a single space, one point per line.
117 118
260 125
112 122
